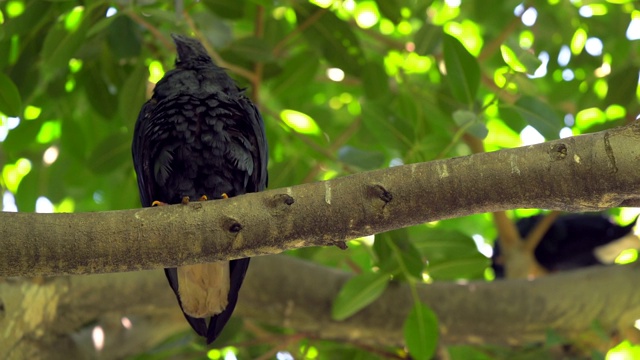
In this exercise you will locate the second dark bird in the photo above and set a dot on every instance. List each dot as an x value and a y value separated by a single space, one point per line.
200 136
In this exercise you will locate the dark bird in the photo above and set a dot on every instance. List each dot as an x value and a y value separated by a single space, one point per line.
199 137
574 241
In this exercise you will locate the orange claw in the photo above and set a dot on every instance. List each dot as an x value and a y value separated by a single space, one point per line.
158 203
224 196
185 200
203 198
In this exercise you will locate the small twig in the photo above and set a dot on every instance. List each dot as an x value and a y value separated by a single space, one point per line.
353 266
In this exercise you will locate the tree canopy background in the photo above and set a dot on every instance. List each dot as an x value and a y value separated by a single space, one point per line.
343 86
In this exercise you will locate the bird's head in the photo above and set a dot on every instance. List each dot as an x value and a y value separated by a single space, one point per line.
190 50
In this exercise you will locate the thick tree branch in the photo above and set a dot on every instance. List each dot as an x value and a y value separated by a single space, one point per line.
284 291
589 172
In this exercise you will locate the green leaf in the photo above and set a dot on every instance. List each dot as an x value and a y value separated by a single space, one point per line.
251 48
421 332
124 38
73 140
226 9
110 153
462 117
512 118
622 86
469 267
380 124
390 9
10 102
375 80
22 137
30 20
298 71
59 46
357 293
463 71
98 95
451 254
333 37
519 60
427 39
132 94
442 244
397 255
540 115
30 189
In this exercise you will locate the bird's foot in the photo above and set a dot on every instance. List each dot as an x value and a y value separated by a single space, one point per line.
224 196
158 203
203 198
185 200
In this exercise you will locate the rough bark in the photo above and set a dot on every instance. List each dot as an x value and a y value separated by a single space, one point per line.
59 313
589 172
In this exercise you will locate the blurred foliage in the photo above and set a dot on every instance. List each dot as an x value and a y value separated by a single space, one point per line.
344 86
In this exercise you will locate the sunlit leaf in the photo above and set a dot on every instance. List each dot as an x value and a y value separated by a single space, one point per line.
12 174
360 291
578 41
49 131
300 122
510 57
